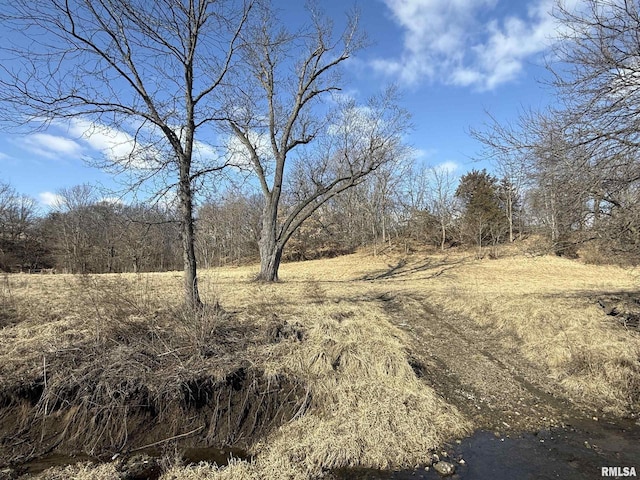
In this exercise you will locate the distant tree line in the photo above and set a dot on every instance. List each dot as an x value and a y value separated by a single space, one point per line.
404 207
84 234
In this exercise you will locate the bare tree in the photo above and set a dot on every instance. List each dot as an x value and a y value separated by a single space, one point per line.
17 217
598 75
17 213
228 229
151 71
514 149
73 241
441 198
279 120
581 157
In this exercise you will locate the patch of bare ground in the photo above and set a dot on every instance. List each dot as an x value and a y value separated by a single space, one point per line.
497 389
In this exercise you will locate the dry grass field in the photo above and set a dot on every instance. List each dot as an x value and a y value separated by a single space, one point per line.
353 361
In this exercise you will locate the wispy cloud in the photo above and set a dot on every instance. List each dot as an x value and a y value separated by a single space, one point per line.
121 148
423 153
453 41
237 152
52 146
449 167
116 145
50 199
112 200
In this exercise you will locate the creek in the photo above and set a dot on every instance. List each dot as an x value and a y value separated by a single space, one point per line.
573 452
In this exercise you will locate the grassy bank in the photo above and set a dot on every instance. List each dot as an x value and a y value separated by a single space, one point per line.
322 339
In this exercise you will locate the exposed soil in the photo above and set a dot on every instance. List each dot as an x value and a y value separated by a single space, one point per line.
623 307
464 364
146 387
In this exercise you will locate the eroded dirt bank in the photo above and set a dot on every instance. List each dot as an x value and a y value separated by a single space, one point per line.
143 386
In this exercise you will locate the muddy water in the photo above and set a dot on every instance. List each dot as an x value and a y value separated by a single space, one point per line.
219 456
568 453
573 452
41 464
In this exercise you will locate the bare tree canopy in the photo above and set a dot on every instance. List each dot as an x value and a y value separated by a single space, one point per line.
598 73
301 142
149 73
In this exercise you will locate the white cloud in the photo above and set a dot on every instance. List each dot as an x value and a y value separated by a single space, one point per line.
422 153
116 145
122 148
112 200
354 118
204 152
51 146
449 167
447 41
168 201
4 156
50 199
238 153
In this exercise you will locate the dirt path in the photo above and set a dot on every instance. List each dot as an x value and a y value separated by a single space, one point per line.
474 371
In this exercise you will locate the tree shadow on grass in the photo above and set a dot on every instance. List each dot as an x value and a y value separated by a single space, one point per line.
402 270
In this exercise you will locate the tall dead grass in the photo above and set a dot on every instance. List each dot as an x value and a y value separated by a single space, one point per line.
363 403
369 409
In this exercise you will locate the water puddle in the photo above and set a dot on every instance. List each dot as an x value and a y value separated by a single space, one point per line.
219 456
569 453
574 452
40 464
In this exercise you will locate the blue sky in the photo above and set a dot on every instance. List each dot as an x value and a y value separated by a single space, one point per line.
452 59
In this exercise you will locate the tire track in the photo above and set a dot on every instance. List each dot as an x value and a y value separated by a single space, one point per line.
467 367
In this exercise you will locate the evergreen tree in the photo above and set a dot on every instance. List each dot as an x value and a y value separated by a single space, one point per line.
484 220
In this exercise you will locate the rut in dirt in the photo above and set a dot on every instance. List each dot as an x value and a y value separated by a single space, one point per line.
464 364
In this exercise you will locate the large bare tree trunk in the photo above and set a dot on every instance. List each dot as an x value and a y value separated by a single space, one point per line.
192 296
269 262
270 247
